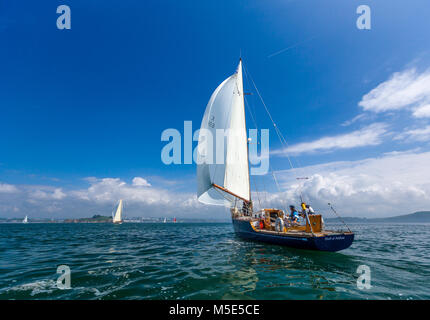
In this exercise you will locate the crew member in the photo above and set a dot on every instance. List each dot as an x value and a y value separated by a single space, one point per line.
309 209
294 215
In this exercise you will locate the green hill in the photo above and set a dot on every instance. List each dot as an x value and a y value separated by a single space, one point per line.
93 219
416 217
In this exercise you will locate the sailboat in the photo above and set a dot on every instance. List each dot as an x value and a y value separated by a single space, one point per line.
165 220
25 219
228 184
117 218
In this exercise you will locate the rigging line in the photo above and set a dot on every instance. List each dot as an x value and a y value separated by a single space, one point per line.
339 216
247 76
256 126
251 106
277 130
258 195
251 112
265 189
254 180
280 136
280 192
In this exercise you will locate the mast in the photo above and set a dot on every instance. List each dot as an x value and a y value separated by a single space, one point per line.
244 117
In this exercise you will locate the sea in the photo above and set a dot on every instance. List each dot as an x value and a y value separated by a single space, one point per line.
207 261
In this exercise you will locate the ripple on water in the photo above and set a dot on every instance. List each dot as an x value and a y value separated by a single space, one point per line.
206 261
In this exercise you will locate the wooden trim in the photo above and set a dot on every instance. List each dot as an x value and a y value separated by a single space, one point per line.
229 192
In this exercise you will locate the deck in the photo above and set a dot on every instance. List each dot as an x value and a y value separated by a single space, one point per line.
296 231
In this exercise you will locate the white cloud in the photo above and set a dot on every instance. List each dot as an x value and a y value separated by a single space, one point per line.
407 89
420 135
397 183
7 188
99 197
138 181
139 194
47 193
112 189
422 111
361 116
370 135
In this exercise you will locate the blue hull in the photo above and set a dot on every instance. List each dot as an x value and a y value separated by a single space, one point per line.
325 243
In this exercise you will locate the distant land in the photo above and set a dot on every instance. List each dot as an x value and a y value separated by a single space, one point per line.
416 217
107 219
94 219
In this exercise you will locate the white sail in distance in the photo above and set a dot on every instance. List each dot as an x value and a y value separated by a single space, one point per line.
118 213
220 182
25 219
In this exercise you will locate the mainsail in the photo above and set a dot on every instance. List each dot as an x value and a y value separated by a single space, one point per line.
222 153
118 214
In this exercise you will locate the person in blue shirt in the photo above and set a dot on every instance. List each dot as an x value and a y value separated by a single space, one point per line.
294 215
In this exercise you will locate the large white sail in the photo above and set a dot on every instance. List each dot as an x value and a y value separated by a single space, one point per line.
225 176
118 214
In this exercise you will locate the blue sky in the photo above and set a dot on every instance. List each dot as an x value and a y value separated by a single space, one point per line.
92 101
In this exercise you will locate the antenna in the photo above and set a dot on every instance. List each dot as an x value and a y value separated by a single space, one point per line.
300 190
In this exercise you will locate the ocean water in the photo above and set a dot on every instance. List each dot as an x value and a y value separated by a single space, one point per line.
206 261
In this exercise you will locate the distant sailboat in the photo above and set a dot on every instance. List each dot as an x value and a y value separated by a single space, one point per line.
165 220
117 219
174 220
25 220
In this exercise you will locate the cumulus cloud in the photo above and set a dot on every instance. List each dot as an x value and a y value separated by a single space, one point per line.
370 135
409 89
111 189
141 198
47 193
138 181
397 183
